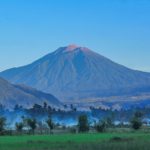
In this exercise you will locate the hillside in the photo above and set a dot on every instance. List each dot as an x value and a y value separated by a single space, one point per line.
10 95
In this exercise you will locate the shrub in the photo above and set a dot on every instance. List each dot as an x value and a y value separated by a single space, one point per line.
100 127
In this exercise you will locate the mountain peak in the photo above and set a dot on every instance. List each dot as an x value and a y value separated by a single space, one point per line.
71 47
74 47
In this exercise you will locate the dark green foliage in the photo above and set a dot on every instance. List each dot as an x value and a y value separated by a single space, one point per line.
2 124
32 124
83 124
109 122
50 124
136 121
73 130
138 114
19 126
101 126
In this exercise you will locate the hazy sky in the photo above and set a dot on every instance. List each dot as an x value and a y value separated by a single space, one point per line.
117 29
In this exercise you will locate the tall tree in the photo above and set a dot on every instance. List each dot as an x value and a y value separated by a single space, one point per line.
19 127
83 124
32 124
50 124
136 121
45 105
2 124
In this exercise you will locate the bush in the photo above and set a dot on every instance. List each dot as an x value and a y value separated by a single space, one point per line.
100 127
72 130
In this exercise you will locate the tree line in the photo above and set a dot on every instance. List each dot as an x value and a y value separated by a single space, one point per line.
83 125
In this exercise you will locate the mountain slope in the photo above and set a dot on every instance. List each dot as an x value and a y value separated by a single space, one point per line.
73 73
10 95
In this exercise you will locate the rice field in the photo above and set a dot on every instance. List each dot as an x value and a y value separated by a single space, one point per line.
102 141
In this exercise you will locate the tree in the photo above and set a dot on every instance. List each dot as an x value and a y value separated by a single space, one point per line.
109 122
50 124
45 105
136 121
83 124
101 126
49 109
2 124
19 127
32 124
71 107
65 106
2 108
138 114
16 108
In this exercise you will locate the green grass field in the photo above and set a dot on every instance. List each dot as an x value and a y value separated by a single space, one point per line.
105 141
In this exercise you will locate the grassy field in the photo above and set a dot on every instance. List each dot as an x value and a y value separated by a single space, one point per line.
105 141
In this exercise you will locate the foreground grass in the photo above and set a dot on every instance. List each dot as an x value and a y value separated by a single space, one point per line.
105 141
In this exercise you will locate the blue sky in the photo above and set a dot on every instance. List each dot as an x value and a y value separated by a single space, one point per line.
117 29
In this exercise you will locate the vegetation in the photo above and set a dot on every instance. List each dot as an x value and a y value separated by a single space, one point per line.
109 122
110 137
50 124
32 124
83 124
19 127
2 124
106 141
136 121
101 126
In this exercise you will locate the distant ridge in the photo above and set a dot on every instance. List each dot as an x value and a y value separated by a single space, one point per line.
73 73
11 95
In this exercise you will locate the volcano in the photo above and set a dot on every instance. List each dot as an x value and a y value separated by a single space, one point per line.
73 73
